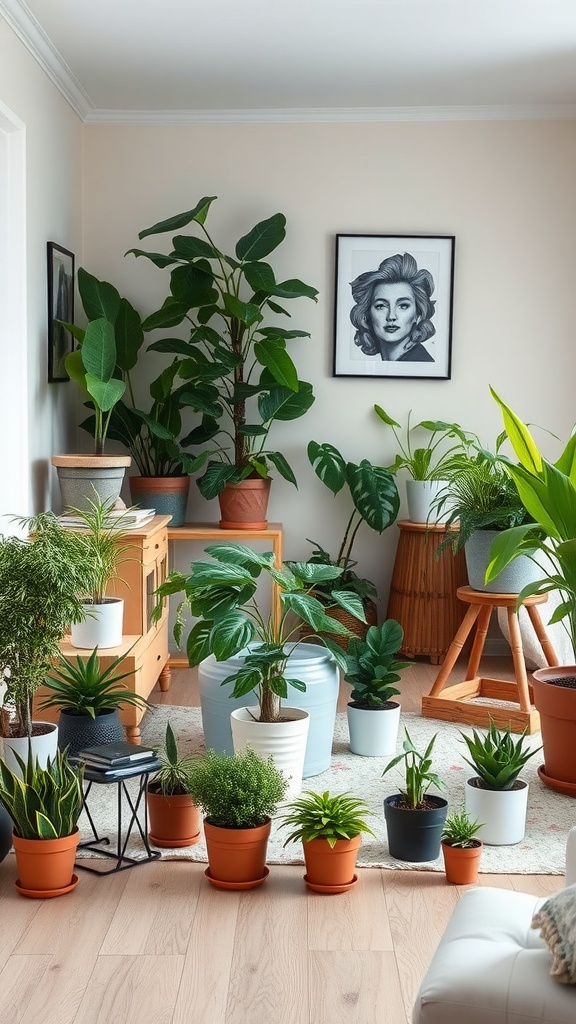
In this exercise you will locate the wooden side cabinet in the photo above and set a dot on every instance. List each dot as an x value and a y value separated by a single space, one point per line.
144 647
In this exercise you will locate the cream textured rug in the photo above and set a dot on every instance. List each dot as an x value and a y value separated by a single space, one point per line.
550 816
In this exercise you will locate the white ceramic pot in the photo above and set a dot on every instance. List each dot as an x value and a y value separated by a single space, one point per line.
285 741
102 627
421 495
502 811
43 747
373 733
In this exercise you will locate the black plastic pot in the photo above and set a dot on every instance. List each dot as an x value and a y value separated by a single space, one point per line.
80 731
414 835
5 833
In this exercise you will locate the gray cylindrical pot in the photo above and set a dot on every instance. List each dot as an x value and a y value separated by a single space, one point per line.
414 835
511 580
83 477
80 731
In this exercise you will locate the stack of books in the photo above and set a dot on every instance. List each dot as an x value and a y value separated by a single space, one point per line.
116 760
121 519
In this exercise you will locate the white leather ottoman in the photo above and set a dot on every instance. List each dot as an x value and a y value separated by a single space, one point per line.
491 967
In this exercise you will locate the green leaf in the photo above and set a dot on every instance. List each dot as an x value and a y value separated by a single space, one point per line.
157 258
283 467
128 336
181 220
274 357
170 315
328 464
215 479
105 393
192 286
187 247
295 289
262 239
230 634
246 312
283 404
260 277
374 494
198 645
385 417
520 438
99 298
350 602
99 349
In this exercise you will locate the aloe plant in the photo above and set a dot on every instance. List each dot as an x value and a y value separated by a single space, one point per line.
496 758
459 830
84 688
46 802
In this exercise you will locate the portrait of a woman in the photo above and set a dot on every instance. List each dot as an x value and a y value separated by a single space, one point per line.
393 310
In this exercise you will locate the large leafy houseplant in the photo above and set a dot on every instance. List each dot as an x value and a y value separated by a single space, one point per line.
372 667
375 501
241 377
42 578
222 594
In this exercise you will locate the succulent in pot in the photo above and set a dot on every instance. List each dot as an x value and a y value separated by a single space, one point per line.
414 817
174 817
461 848
372 670
330 828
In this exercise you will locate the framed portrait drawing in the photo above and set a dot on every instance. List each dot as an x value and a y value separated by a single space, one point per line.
60 307
393 306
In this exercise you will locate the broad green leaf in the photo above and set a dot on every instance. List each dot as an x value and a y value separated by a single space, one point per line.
274 357
350 602
157 258
374 494
99 349
99 298
240 554
215 478
170 315
230 634
385 417
187 247
75 369
262 239
283 404
246 312
307 608
260 277
192 286
328 464
105 393
128 336
198 643
180 220
520 438
295 289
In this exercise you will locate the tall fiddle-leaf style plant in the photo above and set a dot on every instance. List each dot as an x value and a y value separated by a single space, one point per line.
548 492
222 594
241 378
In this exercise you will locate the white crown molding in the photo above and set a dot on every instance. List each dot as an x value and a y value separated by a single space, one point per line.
334 115
25 26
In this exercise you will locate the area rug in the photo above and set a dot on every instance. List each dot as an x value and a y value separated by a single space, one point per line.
550 815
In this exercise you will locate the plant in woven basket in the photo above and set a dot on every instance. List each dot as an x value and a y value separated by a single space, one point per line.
241 790
496 758
460 830
84 688
418 771
173 777
322 816
45 803
371 666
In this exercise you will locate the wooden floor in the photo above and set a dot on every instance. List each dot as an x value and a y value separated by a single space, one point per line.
158 945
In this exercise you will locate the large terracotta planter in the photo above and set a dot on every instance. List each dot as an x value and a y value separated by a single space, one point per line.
81 476
174 820
236 856
330 868
167 494
461 863
557 708
244 506
46 866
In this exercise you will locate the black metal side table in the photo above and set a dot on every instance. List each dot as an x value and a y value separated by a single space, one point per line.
134 802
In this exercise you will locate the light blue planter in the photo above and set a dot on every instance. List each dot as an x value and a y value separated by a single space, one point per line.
311 663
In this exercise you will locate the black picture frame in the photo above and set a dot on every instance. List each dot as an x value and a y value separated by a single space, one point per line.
61 267
368 332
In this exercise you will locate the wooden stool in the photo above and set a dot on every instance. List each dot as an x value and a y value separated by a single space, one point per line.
456 703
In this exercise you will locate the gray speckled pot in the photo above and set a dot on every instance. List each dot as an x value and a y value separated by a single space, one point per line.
511 580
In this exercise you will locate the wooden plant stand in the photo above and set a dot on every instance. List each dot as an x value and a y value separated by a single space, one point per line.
455 703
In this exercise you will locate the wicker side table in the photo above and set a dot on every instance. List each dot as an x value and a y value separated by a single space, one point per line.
423 590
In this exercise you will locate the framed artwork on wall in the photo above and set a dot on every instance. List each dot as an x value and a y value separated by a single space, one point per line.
393 306
60 307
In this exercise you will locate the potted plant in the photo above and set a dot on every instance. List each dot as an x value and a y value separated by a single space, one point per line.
41 580
88 698
496 795
461 848
414 817
429 466
372 669
221 594
375 500
548 493
238 795
330 829
44 804
241 377
174 817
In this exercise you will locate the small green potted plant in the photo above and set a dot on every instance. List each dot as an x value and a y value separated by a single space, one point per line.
374 496
174 817
238 795
461 848
372 669
88 697
496 795
414 817
430 465
44 804
330 828
241 379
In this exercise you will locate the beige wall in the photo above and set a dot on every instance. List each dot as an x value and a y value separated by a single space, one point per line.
52 135
505 190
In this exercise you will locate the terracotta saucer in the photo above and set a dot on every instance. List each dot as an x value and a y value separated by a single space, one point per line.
330 889
219 884
566 788
39 894
173 844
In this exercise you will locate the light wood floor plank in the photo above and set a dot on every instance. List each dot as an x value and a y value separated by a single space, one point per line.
205 976
132 990
357 919
355 987
269 976
19 980
20 912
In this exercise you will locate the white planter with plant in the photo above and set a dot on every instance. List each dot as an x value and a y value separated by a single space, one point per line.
371 670
496 795
285 741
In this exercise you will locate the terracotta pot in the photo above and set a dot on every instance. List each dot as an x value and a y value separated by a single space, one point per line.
174 820
557 708
330 866
46 865
237 856
244 506
167 494
461 863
